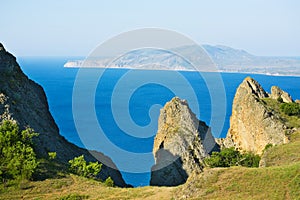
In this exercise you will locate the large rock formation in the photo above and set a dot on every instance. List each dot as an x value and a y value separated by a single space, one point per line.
252 124
25 101
180 145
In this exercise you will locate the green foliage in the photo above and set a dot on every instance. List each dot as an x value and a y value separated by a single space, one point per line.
109 182
268 146
291 121
80 167
249 160
290 109
52 155
280 100
17 158
231 157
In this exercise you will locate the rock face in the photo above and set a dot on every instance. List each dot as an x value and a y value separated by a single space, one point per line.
277 93
180 145
25 101
252 125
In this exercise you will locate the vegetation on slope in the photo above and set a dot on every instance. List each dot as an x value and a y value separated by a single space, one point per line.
244 183
279 180
228 157
76 187
288 112
283 154
17 157
273 182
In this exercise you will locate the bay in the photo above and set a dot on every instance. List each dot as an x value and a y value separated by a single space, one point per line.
143 105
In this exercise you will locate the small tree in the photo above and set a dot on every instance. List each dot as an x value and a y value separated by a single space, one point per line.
80 167
17 158
109 182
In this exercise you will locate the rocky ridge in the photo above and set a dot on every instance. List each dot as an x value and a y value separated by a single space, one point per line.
252 124
181 144
25 101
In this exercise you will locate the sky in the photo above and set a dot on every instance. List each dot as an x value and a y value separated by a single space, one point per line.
76 27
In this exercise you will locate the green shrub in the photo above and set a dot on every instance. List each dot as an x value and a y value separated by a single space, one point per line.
249 160
291 109
80 167
109 182
268 146
17 158
225 158
52 155
230 157
280 100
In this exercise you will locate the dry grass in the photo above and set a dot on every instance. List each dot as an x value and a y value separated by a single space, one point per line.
283 154
281 180
244 183
75 187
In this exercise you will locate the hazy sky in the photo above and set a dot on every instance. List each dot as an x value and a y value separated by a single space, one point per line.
75 27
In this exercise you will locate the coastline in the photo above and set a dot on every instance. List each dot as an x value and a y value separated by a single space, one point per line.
189 70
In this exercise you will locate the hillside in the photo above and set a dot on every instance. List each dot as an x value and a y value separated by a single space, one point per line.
25 101
227 59
281 181
180 133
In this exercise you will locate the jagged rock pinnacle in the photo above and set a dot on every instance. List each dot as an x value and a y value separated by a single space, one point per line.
180 145
252 125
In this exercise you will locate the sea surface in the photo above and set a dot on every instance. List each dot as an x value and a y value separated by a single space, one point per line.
127 103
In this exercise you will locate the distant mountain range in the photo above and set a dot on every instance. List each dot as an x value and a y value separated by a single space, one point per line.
226 59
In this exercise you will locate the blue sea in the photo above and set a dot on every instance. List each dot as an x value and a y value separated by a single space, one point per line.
126 104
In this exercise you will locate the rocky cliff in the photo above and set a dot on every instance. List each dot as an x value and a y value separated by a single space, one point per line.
25 101
253 124
180 145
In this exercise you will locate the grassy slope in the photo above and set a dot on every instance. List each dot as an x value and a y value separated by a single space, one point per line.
82 188
275 182
279 180
244 183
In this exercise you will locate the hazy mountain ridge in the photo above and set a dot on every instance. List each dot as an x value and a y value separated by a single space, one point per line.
227 59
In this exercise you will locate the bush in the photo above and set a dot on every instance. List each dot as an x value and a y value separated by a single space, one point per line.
109 182
268 146
17 158
80 167
52 155
291 109
249 160
280 100
230 157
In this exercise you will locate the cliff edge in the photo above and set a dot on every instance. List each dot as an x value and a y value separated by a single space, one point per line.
25 101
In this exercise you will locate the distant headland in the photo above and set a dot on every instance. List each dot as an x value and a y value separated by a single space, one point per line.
226 59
